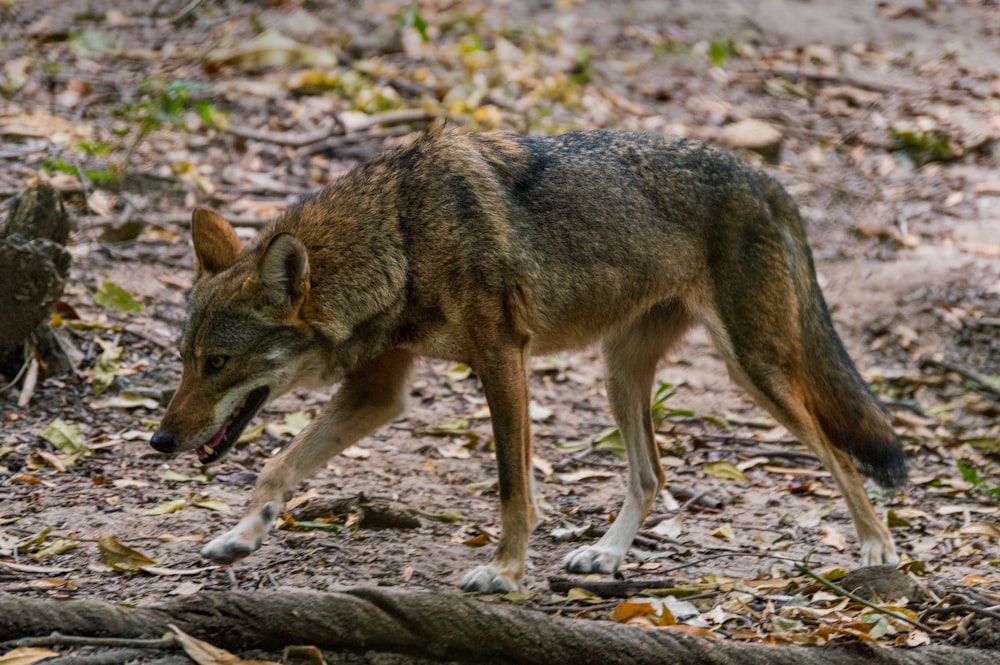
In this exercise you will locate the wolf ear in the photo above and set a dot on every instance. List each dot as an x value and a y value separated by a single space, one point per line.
216 246
283 270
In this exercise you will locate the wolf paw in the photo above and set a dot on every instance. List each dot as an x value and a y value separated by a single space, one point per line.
593 559
488 579
877 552
230 546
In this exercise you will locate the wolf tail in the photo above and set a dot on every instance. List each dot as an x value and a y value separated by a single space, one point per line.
850 415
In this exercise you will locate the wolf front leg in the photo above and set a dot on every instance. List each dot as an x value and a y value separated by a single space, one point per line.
506 388
370 396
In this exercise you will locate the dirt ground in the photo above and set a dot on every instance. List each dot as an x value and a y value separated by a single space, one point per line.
889 115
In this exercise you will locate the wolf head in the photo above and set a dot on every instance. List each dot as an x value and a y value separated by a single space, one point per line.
247 338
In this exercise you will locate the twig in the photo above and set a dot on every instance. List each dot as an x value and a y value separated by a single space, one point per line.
334 142
20 373
292 139
340 129
858 599
962 607
694 499
609 588
30 382
186 12
113 657
982 384
60 640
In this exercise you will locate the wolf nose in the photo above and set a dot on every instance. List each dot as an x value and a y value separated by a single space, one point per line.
162 442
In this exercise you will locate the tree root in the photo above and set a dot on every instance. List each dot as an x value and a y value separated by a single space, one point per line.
402 626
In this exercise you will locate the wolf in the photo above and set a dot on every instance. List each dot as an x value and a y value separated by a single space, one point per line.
486 248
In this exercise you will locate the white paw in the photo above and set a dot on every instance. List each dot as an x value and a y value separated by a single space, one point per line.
231 546
593 559
488 579
876 552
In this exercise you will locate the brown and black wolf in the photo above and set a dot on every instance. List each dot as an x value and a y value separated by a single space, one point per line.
487 248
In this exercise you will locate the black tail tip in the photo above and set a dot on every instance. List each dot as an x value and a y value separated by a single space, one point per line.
884 464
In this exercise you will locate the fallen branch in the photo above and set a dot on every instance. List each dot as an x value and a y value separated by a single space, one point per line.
609 588
426 627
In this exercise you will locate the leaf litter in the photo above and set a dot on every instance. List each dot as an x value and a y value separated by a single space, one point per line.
895 176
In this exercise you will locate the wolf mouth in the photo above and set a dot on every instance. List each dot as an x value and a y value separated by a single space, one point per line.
230 431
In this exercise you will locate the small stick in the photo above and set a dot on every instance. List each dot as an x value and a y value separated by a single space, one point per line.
858 599
963 607
60 640
982 385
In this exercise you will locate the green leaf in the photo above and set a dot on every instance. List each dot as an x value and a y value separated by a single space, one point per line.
412 18
719 50
969 473
611 439
63 436
112 296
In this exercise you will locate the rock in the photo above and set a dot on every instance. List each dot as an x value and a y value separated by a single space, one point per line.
883 582
753 134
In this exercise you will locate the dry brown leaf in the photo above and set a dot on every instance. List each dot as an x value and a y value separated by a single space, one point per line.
204 653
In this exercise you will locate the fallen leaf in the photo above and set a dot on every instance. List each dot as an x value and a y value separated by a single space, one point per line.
121 557
55 546
63 436
204 653
724 531
539 413
478 540
112 296
292 425
669 528
725 470
835 539
166 508
186 588
213 504
176 572
356 452
583 474
987 529
271 48
26 656
170 474
814 516
126 399
572 532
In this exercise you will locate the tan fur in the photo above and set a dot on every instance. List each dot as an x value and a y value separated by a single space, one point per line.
488 248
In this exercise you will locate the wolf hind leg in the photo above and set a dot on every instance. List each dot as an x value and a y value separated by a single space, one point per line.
370 396
631 356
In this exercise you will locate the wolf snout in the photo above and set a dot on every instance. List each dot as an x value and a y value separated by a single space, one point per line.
163 442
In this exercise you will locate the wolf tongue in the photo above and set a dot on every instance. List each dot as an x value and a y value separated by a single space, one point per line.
219 436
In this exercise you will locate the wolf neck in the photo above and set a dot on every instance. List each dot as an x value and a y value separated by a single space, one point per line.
357 269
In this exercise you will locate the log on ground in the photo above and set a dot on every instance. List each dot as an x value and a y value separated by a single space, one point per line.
428 627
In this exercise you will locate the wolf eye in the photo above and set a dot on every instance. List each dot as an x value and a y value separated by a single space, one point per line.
215 363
